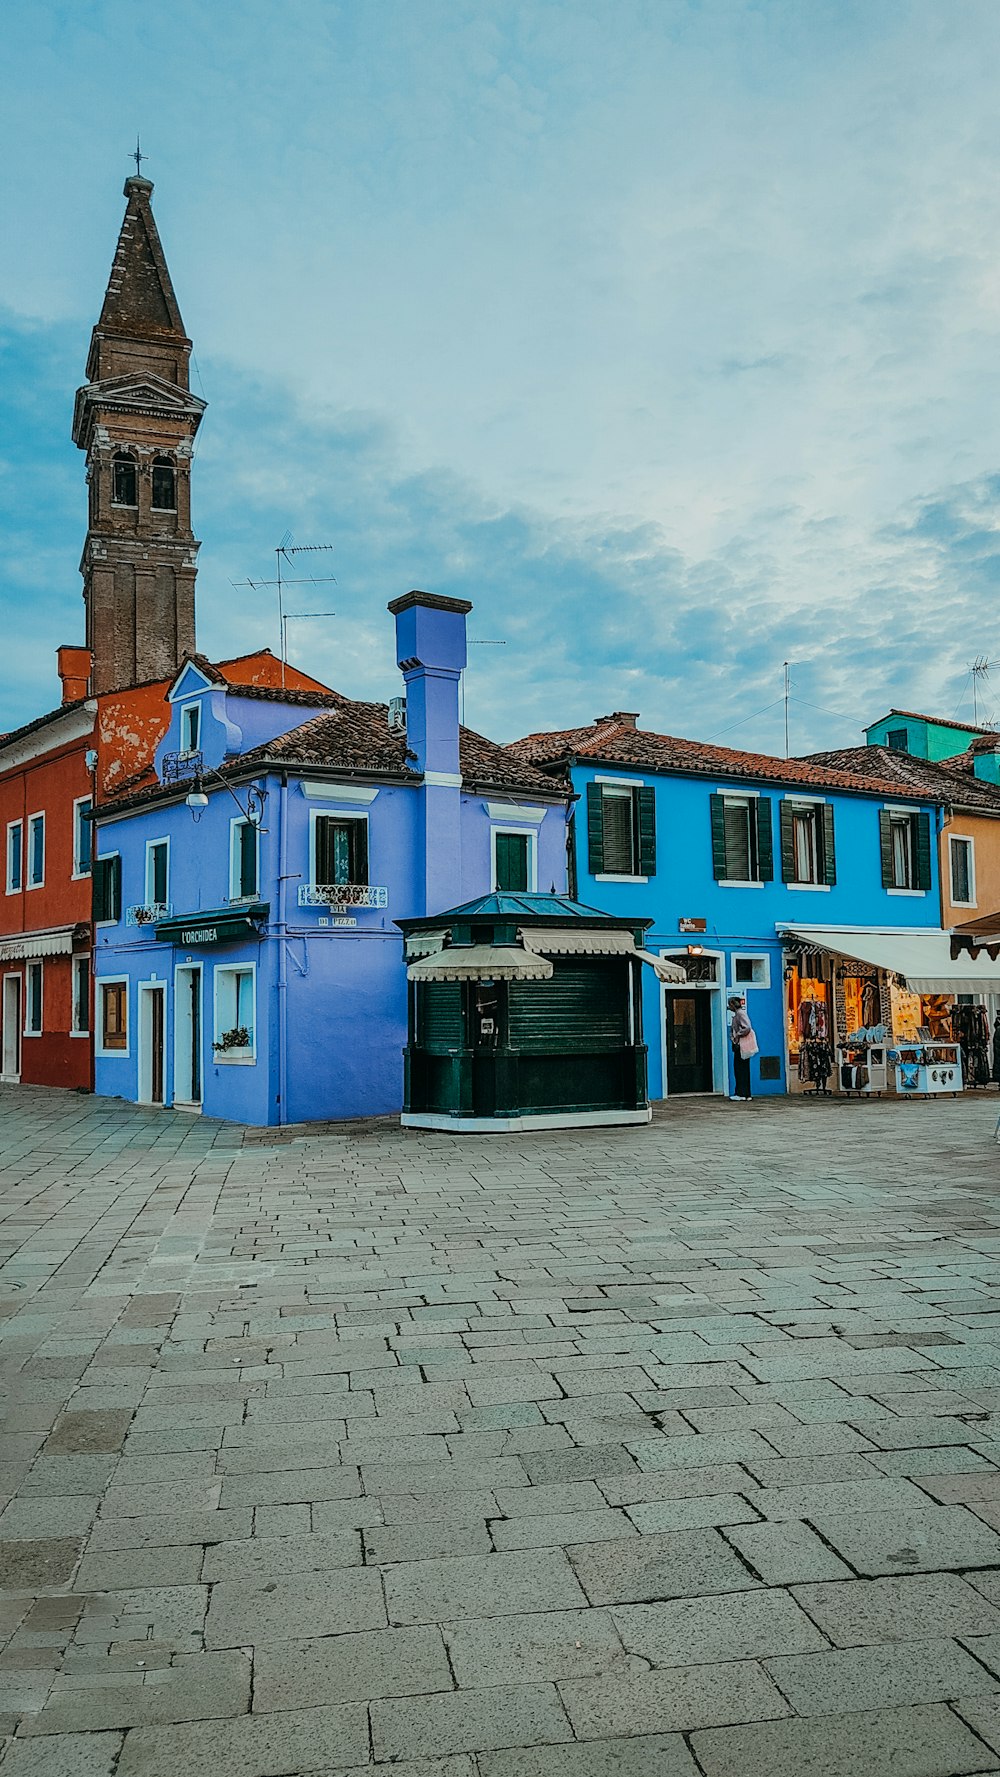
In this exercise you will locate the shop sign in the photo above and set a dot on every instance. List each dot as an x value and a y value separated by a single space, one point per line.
224 927
692 925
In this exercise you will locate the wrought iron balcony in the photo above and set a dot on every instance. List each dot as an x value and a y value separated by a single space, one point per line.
177 768
342 894
149 913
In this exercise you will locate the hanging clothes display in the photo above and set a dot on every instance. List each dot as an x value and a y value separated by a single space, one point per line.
816 1064
972 1029
996 1049
812 1020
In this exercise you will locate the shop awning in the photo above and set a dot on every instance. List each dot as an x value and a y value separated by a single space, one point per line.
221 925
35 944
563 941
481 962
923 959
424 944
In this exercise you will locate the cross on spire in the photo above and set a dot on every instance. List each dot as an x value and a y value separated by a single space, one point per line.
138 158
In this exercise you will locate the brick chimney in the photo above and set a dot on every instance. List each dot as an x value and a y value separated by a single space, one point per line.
73 666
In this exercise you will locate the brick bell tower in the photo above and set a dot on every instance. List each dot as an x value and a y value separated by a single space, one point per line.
136 419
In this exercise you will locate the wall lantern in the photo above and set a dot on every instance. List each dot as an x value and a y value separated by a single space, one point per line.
696 950
197 799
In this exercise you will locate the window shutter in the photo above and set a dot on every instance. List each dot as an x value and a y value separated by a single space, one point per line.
115 889
248 859
159 874
922 850
595 828
765 841
646 808
787 844
324 850
99 889
885 842
720 867
829 847
360 851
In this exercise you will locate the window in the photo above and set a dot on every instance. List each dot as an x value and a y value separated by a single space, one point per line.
81 995
808 854
340 850
963 871
741 838
157 859
83 837
513 861
751 971
33 1000
898 740
15 863
36 851
114 1016
235 1013
124 485
164 485
906 850
190 727
621 829
243 868
106 878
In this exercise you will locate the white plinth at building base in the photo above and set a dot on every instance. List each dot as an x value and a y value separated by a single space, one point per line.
535 1120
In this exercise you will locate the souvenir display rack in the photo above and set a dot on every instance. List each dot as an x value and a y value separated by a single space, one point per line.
862 1068
928 1069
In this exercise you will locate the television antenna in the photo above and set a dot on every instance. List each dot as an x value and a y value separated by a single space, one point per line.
980 671
475 642
284 552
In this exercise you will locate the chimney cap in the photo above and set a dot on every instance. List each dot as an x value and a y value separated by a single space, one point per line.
432 601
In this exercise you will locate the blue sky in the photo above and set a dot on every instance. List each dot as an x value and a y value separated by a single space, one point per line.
666 332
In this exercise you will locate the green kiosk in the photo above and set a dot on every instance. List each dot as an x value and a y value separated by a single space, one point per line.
525 1012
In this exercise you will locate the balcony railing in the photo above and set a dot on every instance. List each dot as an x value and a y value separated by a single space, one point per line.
176 768
148 914
342 894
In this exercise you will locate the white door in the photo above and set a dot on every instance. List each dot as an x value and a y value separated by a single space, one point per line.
187 1035
12 1027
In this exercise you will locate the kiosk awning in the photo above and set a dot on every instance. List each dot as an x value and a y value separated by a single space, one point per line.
564 941
922 958
481 962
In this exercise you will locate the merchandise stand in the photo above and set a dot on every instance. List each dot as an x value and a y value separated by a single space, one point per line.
862 1068
928 1069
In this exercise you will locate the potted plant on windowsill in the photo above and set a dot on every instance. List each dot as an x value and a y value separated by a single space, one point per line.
236 1039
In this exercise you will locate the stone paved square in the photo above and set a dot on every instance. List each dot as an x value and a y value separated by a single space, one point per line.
586 1454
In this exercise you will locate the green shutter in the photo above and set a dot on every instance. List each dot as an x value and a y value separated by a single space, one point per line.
248 858
885 843
922 850
106 889
360 851
829 847
512 863
116 886
646 806
159 874
787 844
595 828
765 842
720 867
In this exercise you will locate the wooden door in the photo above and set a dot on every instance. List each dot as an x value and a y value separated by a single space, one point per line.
156 1023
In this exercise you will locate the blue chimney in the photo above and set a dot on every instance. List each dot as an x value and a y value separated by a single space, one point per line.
431 653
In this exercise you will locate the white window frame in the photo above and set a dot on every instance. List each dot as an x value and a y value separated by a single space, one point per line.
148 884
13 827
531 835
40 966
235 892
78 825
78 963
101 983
39 815
233 1057
761 957
962 839
342 814
623 786
750 882
191 707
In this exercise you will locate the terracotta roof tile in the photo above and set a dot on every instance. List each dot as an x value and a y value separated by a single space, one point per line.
935 721
934 780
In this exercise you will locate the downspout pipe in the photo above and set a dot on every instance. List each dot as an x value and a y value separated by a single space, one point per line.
282 947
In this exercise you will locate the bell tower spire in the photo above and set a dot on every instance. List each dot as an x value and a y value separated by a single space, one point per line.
136 419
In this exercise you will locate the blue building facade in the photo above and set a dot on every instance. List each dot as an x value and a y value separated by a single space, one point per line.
247 958
756 872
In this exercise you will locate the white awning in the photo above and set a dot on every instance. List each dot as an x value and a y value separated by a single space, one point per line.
566 941
922 958
424 944
35 944
481 962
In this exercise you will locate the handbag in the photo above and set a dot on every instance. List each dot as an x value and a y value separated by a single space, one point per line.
748 1046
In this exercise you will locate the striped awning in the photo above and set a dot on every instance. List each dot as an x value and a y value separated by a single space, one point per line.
593 941
480 962
31 945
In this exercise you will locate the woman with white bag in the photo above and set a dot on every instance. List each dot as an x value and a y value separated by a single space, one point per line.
744 1041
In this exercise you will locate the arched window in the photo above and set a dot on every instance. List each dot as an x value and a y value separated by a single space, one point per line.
124 486
164 485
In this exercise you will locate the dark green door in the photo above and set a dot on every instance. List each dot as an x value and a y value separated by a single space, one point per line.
689 1042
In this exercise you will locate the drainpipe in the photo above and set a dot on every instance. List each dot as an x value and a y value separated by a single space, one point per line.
282 960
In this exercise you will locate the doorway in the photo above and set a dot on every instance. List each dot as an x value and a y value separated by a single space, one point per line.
688 1033
152 1025
187 1036
11 1059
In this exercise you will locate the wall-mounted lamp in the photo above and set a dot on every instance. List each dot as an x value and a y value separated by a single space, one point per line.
197 800
696 950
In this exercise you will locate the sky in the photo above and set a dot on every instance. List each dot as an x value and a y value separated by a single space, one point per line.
666 331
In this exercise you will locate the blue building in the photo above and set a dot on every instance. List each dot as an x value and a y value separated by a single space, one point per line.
805 889
247 957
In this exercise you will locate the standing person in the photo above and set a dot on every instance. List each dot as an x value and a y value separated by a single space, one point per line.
744 1041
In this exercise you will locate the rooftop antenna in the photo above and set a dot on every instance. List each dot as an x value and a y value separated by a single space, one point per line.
475 642
284 551
788 683
979 670
298 617
138 157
